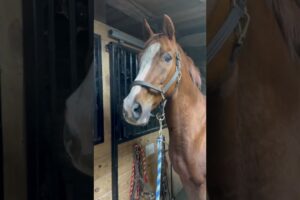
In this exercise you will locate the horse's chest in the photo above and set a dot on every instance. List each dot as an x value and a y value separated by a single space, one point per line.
182 156
188 167
187 156
179 164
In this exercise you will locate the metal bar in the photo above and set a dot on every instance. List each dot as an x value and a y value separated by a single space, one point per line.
73 46
99 137
131 65
125 73
91 23
117 75
52 56
114 137
31 33
136 67
115 34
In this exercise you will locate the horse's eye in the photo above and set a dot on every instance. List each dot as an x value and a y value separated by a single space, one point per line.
167 57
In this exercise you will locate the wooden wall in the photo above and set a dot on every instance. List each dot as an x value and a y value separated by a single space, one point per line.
102 152
12 100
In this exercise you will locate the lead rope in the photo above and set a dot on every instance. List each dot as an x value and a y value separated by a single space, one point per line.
160 139
132 179
138 174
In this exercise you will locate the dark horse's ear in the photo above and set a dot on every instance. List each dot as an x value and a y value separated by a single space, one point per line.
148 28
168 27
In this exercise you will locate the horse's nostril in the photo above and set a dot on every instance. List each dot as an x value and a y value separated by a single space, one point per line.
136 110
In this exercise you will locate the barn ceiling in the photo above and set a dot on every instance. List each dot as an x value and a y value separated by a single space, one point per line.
128 15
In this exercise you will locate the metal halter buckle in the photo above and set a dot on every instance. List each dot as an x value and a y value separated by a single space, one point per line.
179 77
160 116
243 30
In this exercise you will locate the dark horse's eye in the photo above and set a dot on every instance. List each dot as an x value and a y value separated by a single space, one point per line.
167 57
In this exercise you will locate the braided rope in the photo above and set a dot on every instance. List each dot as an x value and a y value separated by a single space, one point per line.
159 166
144 165
132 179
138 169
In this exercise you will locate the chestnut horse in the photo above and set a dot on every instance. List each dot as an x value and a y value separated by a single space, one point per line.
161 63
254 106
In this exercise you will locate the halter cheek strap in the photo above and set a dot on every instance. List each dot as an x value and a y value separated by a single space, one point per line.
175 78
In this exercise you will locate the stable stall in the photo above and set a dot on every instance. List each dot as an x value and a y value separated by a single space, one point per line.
119 27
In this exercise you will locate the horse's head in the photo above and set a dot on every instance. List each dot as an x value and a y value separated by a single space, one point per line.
157 65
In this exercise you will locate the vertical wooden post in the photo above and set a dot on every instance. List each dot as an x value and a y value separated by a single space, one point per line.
12 100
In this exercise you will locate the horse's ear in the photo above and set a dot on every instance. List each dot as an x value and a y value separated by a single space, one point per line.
168 27
148 28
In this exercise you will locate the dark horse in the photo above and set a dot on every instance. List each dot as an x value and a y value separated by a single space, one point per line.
161 63
254 106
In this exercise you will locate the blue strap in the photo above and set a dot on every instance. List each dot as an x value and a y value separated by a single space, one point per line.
223 34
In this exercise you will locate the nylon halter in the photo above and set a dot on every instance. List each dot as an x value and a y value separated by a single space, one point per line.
238 19
175 78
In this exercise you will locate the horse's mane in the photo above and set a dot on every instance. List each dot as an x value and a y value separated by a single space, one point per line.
193 70
287 13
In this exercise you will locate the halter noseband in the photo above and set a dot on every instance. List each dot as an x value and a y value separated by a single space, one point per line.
233 21
175 78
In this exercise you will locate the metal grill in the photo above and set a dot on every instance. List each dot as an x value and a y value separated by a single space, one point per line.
123 70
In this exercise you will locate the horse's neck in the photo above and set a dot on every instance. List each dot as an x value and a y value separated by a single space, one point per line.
256 106
265 59
263 78
185 108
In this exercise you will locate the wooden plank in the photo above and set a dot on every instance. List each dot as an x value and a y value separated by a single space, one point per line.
132 9
102 152
12 100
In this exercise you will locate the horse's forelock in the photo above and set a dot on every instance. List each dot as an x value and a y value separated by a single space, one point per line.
154 38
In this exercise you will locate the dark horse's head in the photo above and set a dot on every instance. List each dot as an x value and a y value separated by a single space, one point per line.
157 64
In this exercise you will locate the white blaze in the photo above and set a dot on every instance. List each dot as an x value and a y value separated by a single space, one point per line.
145 65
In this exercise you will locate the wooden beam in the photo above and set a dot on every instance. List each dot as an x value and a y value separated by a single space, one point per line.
12 100
132 9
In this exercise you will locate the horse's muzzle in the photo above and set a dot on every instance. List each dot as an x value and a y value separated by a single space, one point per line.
134 113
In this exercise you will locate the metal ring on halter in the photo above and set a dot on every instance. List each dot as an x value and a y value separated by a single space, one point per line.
163 96
244 29
179 77
160 116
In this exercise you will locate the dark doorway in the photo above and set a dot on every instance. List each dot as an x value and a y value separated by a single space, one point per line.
58 50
